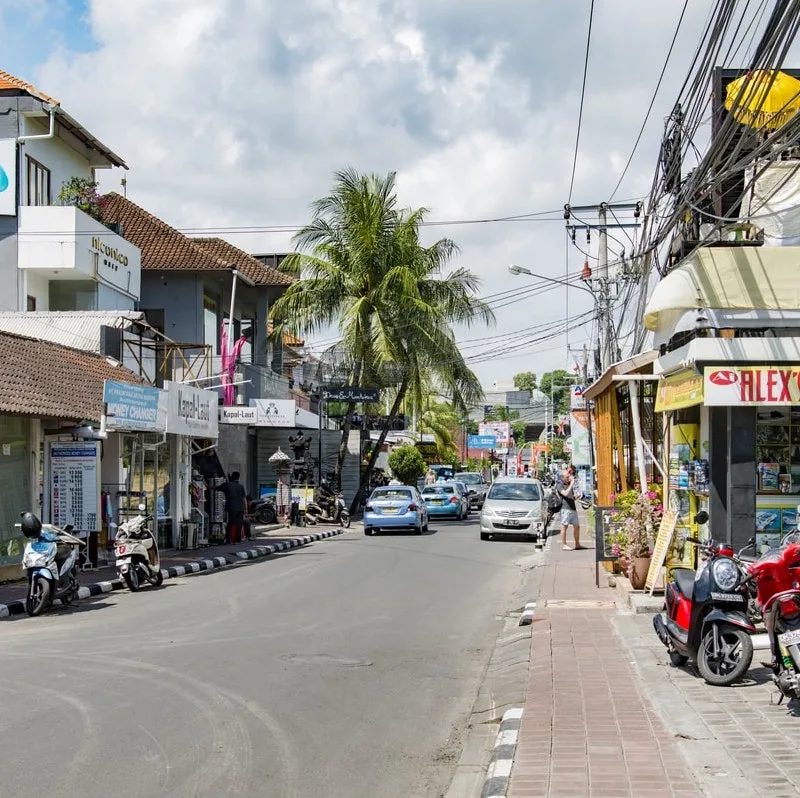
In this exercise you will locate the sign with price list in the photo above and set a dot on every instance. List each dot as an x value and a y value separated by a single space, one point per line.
74 489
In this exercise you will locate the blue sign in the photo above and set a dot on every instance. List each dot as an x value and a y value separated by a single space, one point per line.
481 441
133 407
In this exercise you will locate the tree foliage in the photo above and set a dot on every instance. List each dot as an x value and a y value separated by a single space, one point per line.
407 464
525 381
560 381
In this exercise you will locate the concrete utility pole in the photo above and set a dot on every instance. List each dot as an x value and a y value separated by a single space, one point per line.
604 298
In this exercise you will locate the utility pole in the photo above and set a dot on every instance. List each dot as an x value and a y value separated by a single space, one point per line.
604 299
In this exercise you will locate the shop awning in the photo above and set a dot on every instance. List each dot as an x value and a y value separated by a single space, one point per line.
631 365
727 278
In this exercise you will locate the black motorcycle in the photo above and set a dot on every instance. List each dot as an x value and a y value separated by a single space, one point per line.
706 619
263 511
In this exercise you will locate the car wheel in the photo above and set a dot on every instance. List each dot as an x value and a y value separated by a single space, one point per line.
418 530
485 536
368 531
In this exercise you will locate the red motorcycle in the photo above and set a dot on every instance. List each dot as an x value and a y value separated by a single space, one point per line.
777 578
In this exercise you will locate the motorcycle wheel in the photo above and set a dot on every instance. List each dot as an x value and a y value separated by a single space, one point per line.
157 579
266 515
677 660
731 661
38 597
132 578
344 519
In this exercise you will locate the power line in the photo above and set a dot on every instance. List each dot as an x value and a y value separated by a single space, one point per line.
583 96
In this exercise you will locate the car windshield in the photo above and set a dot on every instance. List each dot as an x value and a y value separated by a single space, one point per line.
514 491
469 479
434 489
392 493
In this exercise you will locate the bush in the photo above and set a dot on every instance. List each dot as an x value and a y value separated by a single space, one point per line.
407 464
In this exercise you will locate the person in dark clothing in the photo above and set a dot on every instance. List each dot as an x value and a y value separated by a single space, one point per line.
235 504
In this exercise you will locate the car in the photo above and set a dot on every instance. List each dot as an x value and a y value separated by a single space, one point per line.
476 487
466 506
446 499
395 507
513 506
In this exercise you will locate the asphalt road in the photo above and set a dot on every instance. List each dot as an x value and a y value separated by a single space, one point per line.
347 668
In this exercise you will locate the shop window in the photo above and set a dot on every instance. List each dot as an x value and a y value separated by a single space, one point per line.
38 183
31 304
14 486
72 295
778 449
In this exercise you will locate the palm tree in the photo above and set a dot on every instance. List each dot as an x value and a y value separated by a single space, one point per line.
364 269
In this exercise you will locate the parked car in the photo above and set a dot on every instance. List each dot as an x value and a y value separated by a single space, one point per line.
476 487
513 506
395 507
466 505
446 499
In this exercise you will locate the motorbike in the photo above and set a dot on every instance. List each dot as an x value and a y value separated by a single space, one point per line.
137 554
51 561
263 511
777 578
335 513
705 619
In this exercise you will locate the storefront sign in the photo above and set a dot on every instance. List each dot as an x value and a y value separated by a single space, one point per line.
192 411
238 415
8 177
663 539
133 408
577 400
679 391
481 441
501 430
275 412
114 259
581 454
74 490
351 394
752 385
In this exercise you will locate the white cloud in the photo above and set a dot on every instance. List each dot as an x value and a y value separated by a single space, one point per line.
236 112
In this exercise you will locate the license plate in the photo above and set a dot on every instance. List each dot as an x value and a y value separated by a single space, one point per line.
391 510
437 501
790 638
511 522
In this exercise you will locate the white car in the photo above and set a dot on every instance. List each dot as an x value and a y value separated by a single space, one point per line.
514 506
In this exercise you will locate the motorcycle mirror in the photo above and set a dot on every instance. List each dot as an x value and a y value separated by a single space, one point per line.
142 508
701 517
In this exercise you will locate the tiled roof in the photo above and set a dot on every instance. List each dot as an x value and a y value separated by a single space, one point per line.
245 263
288 338
39 378
10 82
166 249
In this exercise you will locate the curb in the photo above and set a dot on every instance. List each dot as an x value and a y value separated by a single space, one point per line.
499 773
193 567
526 619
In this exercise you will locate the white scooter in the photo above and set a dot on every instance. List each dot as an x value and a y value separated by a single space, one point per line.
51 560
137 552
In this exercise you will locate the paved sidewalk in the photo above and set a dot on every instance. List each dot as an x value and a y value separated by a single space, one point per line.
587 731
11 592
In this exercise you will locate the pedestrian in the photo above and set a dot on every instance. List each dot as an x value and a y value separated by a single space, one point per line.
235 507
430 477
569 512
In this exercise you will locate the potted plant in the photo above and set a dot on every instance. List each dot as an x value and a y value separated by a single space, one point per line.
642 519
82 193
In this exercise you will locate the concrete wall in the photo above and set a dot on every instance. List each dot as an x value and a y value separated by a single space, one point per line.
181 298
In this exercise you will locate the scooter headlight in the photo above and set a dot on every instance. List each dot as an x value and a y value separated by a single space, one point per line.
725 573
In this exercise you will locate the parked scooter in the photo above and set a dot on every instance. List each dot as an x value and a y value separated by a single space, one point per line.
705 617
777 578
263 511
335 513
51 560
136 548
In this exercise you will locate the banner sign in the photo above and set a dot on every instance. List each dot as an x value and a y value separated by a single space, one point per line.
481 441
679 391
74 485
192 411
577 401
275 412
501 430
752 385
663 539
351 394
238 415
133 407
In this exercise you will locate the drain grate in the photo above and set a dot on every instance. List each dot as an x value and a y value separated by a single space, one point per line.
580 604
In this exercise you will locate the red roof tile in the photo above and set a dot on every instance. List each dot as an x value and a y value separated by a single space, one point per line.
166 249
9 82
39 378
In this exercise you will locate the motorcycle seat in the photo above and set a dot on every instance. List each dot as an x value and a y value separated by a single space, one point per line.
684 579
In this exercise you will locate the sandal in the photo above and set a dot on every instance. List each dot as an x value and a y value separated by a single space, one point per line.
566 548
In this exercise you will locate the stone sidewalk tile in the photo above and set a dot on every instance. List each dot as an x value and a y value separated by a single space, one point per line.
732 735
587 730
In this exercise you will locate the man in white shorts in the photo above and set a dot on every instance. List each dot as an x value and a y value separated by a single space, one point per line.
569 512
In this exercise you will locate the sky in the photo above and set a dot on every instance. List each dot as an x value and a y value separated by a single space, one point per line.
236 113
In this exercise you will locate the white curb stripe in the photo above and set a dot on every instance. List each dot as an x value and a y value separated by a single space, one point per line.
499 772
527 614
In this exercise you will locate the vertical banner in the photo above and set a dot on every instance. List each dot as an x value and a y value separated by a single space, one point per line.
8 177
73 487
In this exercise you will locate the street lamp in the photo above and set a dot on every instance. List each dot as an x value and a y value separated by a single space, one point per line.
517 270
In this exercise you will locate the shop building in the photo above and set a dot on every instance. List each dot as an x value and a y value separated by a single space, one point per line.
53 255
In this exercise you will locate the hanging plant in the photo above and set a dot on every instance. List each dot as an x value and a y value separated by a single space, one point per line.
82 193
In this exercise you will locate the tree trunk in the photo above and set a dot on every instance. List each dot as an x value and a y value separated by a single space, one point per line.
347 426
373 457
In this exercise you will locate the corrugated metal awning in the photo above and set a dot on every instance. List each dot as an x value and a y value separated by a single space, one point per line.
631 365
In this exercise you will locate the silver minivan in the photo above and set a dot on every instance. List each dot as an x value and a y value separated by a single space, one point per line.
513 506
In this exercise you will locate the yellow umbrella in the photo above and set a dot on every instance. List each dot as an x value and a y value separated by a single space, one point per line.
768 98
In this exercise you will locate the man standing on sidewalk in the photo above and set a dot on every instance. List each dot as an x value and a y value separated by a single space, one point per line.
235 505
569 510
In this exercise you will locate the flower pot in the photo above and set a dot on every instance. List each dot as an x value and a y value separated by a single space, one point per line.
637 572
622 565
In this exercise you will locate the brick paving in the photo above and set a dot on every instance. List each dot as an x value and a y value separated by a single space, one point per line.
587 731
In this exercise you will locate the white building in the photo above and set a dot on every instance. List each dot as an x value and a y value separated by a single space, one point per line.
53 256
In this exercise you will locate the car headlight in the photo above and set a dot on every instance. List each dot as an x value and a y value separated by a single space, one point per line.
725 573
